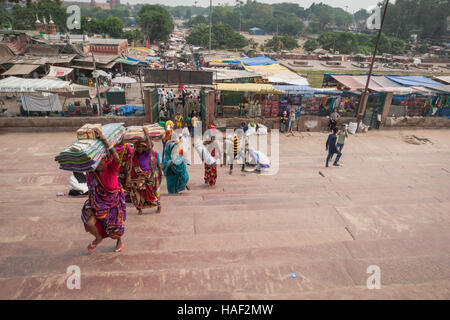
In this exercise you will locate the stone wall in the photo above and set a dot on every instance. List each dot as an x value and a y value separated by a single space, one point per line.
69 122
418 122
303 123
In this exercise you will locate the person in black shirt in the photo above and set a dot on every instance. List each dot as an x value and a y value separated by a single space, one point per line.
330 146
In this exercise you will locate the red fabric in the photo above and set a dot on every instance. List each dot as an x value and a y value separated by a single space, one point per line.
109 176
100 230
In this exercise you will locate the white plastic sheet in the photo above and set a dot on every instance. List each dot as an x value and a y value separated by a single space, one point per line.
41 103
352 127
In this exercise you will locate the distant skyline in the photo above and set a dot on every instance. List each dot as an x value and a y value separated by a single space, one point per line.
352 5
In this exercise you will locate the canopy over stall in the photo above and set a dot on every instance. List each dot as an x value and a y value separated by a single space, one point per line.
440 89
248 87
59 71
414 81
20 69
376 83
291 89
221 74
443 79
276 73
257 61
14 84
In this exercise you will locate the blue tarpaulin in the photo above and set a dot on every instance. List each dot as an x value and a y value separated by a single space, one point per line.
133 59
257 61
409 81
128 110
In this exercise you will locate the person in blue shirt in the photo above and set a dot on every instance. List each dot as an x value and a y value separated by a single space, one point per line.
331 147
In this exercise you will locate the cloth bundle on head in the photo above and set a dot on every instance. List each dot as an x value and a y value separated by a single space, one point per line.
85 155
135 133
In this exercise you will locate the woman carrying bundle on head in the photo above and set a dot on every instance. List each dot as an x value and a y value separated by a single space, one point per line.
125 152
104 213
168 130
174 166
144 175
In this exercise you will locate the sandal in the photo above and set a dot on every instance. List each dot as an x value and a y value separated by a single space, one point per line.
93 246
120 249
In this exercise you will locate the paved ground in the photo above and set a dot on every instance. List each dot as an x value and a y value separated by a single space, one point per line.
388 205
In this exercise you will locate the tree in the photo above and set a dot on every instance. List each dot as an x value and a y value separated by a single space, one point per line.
199 36
397 45
361 15
384 45
188 14
24 18
155 22
310 45
132 35
286 42
197 20
223 37
423 48
113 26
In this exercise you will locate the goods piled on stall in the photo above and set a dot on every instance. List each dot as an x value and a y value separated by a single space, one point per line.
134 133
85 154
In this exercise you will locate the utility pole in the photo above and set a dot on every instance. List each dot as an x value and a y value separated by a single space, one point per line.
100 110
140 83
365 95
210 23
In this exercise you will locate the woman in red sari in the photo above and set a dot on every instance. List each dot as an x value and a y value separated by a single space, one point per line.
125 152
104 213
144 175
213 147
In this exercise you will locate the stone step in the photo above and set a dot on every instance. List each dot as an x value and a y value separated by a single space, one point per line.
228 280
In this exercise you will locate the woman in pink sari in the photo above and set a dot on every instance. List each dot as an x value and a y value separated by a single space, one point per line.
104 213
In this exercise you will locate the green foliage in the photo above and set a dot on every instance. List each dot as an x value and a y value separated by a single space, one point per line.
199 36
361 15
383 44
24 18
122 12
346 42
5 16
423 48
285 42
155 22
132 35
223 37
196 20
310 45
426 18
113 26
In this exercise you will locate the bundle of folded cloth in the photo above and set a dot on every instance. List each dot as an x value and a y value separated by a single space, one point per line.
135 133
85 155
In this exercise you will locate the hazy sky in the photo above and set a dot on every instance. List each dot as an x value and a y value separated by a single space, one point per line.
353 5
